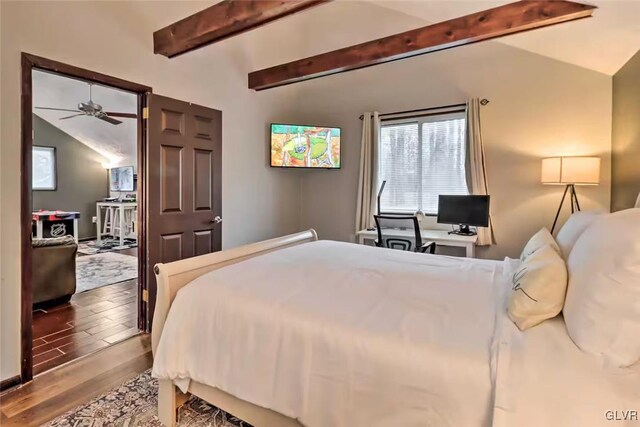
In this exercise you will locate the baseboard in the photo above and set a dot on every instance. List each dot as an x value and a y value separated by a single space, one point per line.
9 383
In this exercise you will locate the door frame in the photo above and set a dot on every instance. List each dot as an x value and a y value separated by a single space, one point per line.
29 62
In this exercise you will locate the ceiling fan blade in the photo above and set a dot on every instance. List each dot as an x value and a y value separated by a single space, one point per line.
71 116
57 109
109 119
124 115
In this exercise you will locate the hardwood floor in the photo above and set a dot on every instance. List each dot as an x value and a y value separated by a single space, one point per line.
92 320
59 390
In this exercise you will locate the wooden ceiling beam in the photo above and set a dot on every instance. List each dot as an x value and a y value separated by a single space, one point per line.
497 22
225 19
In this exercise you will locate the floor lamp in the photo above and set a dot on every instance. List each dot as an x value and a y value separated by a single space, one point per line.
570 171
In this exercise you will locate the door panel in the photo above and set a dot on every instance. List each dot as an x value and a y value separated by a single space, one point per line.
171 163
202 184
171 249
203 242
184 152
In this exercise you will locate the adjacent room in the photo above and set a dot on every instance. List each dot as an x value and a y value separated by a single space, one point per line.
317 213
85 258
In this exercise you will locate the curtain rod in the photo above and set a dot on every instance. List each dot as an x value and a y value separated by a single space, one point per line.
484 101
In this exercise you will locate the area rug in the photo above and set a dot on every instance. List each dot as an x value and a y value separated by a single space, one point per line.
95 271
133 404
107 244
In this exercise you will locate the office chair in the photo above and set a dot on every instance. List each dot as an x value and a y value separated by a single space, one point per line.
403 222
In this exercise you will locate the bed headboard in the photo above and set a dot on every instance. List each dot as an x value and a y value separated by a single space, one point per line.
173 276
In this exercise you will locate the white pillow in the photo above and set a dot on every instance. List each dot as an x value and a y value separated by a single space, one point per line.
540 239
538 288
573 228
602 308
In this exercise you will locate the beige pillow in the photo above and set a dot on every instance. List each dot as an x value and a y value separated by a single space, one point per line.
540 239
538 288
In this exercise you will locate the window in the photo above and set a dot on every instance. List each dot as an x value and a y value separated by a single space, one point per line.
43 169
421 159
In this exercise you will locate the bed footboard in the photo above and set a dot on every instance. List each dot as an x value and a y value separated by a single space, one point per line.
173 276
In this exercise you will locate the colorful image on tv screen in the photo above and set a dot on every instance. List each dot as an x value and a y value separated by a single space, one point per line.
305 146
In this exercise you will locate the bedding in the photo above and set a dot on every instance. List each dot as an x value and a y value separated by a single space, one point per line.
602 308
543 379
541 238
336 334
538 288
574 227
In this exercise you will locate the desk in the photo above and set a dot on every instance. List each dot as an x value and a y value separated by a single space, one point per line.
121 206
441 237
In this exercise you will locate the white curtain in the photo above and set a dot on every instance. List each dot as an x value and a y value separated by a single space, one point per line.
367 180
477 173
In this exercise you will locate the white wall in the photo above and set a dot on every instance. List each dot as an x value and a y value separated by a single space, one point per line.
539 107
116 38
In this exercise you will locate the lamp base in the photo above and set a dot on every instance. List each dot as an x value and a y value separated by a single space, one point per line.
575 205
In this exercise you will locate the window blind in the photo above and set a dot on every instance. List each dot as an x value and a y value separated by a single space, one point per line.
421 159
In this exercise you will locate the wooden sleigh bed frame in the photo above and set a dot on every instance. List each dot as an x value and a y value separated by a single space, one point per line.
171 278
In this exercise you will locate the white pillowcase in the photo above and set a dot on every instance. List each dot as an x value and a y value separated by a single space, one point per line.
538 240
573 228
602 308
538 288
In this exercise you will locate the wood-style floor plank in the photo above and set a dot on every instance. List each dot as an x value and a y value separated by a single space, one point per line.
91 321
61 389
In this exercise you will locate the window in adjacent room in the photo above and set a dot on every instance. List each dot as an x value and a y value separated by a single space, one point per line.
421 158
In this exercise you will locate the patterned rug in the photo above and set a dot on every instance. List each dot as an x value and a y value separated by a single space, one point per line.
133 404
95 271
107 244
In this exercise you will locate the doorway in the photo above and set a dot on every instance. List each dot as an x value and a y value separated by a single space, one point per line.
177 183
83 213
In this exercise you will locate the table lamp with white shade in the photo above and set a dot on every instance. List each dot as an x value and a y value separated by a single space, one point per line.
570 171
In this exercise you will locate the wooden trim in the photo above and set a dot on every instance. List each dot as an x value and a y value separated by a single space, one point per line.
28 63
26 203
83 74
9 383
508 19
222 20
143 317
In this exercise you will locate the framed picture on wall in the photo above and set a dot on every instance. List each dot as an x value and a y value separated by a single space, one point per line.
43 168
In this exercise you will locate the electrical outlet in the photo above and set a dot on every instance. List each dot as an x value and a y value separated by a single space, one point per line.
94 219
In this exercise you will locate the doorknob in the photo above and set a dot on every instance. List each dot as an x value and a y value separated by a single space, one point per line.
216 220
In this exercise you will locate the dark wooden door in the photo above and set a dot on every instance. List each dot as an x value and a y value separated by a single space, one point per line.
184 188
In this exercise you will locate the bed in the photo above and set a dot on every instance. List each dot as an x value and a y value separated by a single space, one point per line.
299 332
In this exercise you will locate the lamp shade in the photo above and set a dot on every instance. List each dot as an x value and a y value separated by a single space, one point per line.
571 170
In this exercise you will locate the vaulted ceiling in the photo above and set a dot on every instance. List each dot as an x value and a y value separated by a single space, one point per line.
603 43
117 143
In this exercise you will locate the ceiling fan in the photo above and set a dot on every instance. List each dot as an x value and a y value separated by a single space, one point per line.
90 108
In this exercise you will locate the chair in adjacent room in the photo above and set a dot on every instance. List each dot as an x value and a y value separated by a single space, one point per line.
53 274
389 239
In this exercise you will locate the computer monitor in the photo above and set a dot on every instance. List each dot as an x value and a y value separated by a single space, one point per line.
464 211
122 179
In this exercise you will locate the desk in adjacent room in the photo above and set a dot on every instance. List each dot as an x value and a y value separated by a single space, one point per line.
121 207
441 237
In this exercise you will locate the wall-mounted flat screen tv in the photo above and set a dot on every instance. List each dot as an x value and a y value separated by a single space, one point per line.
295 146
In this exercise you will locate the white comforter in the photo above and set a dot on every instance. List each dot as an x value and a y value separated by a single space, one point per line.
336 334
